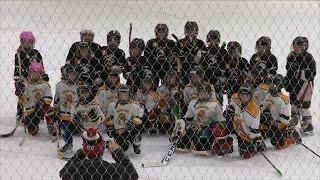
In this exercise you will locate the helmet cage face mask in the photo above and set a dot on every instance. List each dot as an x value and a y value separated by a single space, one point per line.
124 97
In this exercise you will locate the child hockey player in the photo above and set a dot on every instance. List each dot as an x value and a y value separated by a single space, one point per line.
244 113
65 99
206 126
126 116
87 111
263 55
276 115
36 98
22 60
301 71
147 97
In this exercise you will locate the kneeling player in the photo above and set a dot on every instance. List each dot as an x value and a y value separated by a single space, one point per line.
206 125
246 121
126 116
36 98
276 116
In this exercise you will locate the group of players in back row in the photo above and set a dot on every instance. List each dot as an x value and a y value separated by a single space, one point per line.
169 82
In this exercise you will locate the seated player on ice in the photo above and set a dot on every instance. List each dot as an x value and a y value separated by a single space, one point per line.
65 99
206 126
36 97
275 118
109 93
147 97
87 113
88 162
126 115
243 111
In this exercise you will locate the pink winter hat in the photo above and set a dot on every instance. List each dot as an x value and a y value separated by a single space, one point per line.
27 36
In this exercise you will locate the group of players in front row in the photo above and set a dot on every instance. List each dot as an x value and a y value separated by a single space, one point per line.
206 128
191 112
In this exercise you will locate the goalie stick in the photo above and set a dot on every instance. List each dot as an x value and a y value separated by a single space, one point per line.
10 133
165 159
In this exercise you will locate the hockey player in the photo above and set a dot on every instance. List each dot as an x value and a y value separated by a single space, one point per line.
87 113
196 77
263 55
301 70
206 125
171 101
87 36
276 115
65 99
214 63
36 98
136 65
22 60
88 66
235 68
113 56
244 113
160 50
126 116
148 97
260 78
108 94
190 49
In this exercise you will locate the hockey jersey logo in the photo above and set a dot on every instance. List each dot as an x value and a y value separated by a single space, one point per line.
37 94
69 98
122 114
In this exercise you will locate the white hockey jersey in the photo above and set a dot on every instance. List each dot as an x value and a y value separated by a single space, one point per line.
260 93
107 95
34 93
147 100
121 114
246 119
190 92
279 107
205 113
84 110
65 99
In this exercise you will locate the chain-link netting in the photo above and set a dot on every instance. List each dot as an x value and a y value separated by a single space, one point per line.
159 89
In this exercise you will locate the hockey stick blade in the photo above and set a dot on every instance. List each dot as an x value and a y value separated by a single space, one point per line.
165 159
175 37
278 171
11 133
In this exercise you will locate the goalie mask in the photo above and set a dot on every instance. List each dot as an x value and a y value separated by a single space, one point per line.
123 95
276 85
245 94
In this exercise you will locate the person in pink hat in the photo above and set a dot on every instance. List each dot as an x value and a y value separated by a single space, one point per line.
88 163
24 56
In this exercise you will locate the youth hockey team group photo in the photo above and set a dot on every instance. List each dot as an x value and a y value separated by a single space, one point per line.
202 95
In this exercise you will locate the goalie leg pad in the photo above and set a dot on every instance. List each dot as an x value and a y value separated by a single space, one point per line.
186 139
179 130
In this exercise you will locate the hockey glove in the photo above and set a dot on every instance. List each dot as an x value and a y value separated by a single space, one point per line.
130 125
260 145
93 115
20 87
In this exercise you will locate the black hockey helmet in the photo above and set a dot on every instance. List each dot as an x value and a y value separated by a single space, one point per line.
213 35
161 28
123 89
264 41
245 93
300 40
277 84
114 34
83 89
191 26
198 70
136 42
70 68
206 87
234 45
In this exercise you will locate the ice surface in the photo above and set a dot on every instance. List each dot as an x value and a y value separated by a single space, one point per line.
56 25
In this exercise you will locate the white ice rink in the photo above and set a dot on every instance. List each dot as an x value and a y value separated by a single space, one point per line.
56 25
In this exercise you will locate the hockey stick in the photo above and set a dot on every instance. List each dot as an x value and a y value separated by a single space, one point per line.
309 149
59 154
165 159
130 32
177 58
11 133
278 171
175 37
